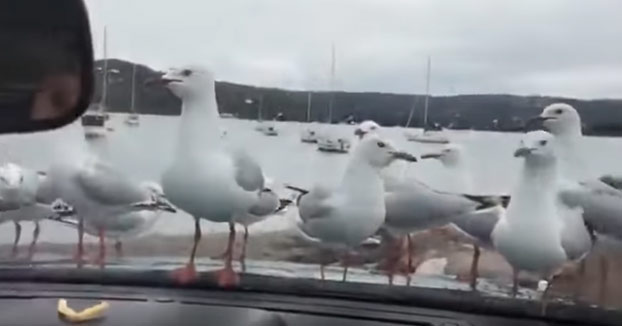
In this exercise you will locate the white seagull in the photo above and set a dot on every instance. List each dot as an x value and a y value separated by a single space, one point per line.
122 227
19 201
99 194
207 179
344 217
600 200
456 177
539 233
412 206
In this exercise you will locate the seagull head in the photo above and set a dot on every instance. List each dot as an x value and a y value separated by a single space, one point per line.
158 197
11 176
560 119
189 82
449 155
366 127
537 146
379 153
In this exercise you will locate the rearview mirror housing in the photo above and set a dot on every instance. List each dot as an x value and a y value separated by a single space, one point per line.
46 64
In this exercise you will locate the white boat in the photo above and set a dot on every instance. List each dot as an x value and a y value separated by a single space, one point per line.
94 124
267 128
308 135
133 119
427 136
329 141
270 130
333 144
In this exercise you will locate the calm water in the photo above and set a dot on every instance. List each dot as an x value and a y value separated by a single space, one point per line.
144 151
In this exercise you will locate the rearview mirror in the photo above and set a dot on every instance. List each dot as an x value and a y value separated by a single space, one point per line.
46 64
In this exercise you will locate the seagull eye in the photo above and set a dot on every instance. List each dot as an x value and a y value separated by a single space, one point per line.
381 144
543 143
559 111
186 72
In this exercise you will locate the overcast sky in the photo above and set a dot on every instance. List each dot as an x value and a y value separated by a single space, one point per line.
550 47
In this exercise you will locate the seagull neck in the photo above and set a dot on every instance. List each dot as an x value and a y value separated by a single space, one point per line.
535 191
357 171
540 171
199 125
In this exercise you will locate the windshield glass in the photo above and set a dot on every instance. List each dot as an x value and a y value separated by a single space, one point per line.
391 142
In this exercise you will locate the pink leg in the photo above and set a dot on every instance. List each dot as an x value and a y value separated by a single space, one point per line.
393 255
118 248
475 267
101 259
346 264
227 276
80 250
243 255
18 234
188 273
35 237
410 267
322 271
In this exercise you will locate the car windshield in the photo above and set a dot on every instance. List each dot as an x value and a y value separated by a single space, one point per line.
461 145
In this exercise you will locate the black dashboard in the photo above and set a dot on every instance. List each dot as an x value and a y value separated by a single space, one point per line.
30 297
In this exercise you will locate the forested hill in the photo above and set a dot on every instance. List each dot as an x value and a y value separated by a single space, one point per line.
482 112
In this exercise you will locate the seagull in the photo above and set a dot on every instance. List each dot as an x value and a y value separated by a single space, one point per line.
366 127
538 232
99 194
267 204
19 202
344 217
600 199
412 206
207 179
119 228
456 177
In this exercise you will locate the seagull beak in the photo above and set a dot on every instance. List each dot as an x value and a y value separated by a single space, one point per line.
161 81
537 120
431 155
166 205
404 156
359 133
523 151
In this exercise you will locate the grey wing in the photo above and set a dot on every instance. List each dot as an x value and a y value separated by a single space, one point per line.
8 205
268 203
248 174
110 187
479 224
315 204
612 181
576 239
601 204
416 206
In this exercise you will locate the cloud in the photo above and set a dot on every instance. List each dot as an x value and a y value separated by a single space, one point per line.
554 47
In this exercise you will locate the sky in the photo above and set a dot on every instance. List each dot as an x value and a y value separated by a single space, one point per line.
525 47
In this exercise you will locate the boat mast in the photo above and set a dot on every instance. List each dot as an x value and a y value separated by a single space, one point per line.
412 111
427 94
102 106
132 108
259 115
308 106
332 84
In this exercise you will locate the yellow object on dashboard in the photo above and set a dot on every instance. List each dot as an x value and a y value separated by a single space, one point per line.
87 314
